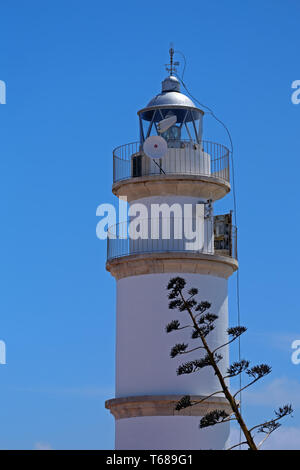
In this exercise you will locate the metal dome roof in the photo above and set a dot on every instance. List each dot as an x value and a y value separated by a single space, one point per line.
171 95
173 98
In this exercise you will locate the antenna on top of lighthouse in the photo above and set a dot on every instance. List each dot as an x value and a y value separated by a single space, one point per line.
171 67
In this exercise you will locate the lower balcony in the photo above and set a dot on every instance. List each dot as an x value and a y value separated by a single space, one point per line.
172 245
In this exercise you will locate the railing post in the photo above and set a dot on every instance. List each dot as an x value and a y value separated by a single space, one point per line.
114 168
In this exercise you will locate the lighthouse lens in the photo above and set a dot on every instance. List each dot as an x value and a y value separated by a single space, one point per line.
174 133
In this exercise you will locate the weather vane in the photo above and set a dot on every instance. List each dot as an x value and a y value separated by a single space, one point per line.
171 66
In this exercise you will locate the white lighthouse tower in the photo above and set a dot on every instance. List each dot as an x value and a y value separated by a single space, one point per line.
177 234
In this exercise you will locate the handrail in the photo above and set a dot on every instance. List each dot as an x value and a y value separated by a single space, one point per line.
152 238
184 158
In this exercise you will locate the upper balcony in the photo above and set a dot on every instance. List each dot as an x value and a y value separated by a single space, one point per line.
189 168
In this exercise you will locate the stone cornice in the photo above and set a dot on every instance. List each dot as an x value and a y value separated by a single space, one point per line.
207 187
149 263
163 405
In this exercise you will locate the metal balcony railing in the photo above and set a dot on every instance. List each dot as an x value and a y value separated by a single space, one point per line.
183 158
176 235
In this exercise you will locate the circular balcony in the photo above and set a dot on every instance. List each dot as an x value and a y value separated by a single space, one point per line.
189 168
167 245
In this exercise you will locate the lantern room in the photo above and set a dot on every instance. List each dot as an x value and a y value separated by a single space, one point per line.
172 115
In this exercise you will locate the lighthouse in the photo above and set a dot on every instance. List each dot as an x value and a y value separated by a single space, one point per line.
172 179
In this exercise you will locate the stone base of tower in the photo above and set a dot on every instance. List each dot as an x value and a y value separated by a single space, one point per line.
152 423
169 433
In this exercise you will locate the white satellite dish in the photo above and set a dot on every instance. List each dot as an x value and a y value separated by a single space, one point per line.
165 124
155 147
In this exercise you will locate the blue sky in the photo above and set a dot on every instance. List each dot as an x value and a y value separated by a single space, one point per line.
76 73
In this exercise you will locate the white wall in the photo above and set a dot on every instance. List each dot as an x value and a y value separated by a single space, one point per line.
183 161
143 363
169 433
